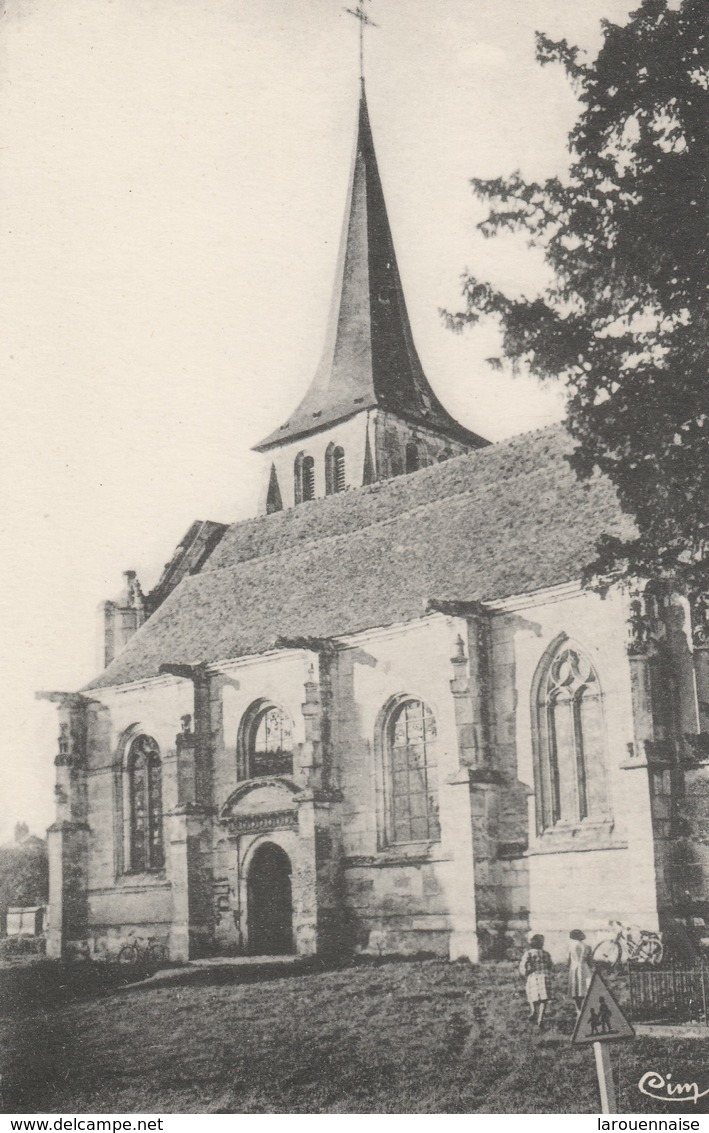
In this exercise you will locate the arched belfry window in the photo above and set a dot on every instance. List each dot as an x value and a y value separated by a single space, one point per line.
146 850
571 744
265 745
334 469
304 478
411 773
412 457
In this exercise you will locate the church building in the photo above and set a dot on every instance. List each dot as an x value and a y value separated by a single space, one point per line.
384 715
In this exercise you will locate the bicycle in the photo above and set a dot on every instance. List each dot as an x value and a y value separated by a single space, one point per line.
629 944
143 956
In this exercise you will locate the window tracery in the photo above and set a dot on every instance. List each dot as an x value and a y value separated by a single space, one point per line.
146 849
266 742
411 753
570 741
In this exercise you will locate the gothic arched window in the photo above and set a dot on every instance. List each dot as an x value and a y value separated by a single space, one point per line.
265 742
412 776
570 732
145 802
334 469
304 478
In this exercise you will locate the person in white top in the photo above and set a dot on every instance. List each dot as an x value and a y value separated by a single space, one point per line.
580 970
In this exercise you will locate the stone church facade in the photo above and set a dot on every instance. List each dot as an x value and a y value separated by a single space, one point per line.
384 715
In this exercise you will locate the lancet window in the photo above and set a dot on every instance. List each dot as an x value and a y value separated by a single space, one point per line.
145 799
412 773
571 744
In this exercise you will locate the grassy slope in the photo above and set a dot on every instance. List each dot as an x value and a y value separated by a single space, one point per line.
419 1037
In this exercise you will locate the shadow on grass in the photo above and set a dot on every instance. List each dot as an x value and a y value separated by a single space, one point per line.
50 983
380 1035
229 974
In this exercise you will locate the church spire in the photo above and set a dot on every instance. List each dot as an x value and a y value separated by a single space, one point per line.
370 359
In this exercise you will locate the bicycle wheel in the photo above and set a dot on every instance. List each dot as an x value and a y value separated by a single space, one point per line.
128 955
650 950
157 956
607 952
128 960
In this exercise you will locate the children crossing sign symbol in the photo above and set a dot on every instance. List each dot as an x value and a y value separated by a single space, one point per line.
601 1018
602 1021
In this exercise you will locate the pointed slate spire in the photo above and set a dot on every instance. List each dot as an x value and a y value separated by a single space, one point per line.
369 359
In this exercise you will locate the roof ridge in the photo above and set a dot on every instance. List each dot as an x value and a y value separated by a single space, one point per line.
294 553
388 484
487 532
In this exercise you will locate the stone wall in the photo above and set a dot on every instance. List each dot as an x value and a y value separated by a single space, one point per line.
492 876
693 856
350 434
304 823
420 898
388 438
583 876
402 898
692 866
121 902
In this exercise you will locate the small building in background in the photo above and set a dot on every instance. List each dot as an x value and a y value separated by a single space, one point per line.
24 883
27 921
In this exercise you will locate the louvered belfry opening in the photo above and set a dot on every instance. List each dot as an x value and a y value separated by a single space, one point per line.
308 478
335 474
339 469
304 478
412 457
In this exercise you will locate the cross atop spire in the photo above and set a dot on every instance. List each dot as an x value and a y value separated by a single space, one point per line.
360 14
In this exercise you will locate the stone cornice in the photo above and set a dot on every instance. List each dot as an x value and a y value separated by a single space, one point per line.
544 596
456 609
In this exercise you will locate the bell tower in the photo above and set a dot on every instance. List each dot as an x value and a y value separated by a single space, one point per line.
369 413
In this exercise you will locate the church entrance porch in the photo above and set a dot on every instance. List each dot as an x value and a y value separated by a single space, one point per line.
278 886
269 902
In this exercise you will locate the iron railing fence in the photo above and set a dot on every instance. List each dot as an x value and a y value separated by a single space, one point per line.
669 995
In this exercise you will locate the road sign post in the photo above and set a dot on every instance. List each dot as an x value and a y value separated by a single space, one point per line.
601 1021
604 1071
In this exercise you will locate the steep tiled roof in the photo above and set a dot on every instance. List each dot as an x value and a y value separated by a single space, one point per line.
508 519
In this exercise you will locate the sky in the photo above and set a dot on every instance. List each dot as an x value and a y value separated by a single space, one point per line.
173 179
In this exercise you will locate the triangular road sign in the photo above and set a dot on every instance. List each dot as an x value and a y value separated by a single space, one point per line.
601 1019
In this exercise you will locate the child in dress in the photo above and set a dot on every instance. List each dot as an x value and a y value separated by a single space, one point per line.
536 967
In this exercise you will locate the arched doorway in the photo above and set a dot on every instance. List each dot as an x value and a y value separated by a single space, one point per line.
269 902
